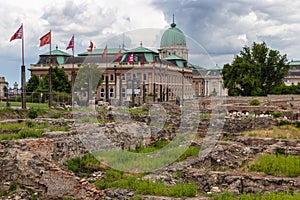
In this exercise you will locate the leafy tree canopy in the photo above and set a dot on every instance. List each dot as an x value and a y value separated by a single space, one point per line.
60 82
255 71
33 83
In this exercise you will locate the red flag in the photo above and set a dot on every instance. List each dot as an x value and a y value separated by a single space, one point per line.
118 55
130 59
143 61
71 44
45 39
90 49
18 34
104 54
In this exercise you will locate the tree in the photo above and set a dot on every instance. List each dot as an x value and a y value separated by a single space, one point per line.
84 74
60 82
255 71
33 83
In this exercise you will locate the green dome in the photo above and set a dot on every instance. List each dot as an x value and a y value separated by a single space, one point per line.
172 37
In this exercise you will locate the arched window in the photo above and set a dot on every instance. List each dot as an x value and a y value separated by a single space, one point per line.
111 77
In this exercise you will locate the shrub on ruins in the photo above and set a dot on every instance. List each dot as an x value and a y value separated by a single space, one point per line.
254 102
32 114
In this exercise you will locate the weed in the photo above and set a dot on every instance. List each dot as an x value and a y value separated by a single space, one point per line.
30 124
3 193
13 186
56 115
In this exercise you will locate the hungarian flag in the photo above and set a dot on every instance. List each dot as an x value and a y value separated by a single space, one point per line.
71 44
46 39
104 54
18 34
90 49
118 56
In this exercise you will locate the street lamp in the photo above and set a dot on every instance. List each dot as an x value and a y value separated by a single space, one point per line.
41 99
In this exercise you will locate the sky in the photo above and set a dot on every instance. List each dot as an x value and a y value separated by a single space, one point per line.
216 30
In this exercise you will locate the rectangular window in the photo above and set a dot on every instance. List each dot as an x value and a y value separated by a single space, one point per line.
111 93
123 92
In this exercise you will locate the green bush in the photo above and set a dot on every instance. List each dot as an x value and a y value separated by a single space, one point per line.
13 186
297 124
32 114
283 123
254 102
277 114
3 193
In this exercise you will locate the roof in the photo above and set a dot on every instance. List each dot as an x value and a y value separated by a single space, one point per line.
100 51
56 52
141 49
172 37
294 63
173 57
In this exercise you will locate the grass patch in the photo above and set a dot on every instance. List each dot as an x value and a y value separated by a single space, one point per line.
86 119
282 132
117 179
22 134
14 131
139 111
277 165
192 151
205 116
156 146
85 165
56 115
269 196
59 128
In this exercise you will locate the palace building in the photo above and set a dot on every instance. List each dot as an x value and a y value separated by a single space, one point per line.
141 75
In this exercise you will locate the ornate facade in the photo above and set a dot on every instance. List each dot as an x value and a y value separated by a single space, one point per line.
142 74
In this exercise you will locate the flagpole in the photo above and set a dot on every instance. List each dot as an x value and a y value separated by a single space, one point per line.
106 80
50 76
72 75
23 84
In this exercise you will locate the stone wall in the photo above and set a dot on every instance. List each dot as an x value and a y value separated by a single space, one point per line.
33 163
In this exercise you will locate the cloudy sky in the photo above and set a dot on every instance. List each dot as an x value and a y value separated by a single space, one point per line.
220 28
